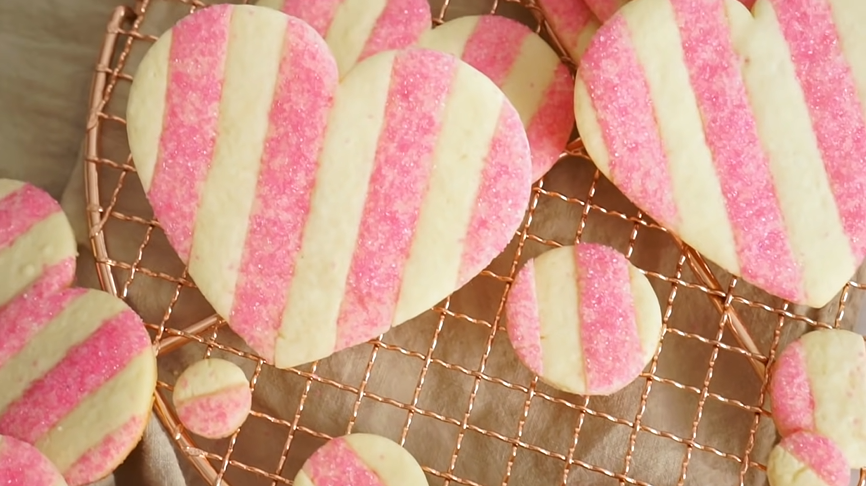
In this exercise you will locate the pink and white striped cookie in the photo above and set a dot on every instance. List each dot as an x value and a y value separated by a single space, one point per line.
806 459
743 134
21 464
212 398
361 460
583 319
818 384
357 29
77 376
605 9
528 71
572 22
37 247
313 217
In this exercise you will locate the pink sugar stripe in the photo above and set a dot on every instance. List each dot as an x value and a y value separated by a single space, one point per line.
524 322
743 168
208 415
821 455
624 107
420 82
22 209
21 464
318 14
550 128
33 310
399 26
608 328
336 464
493 47
95 463
298 118
605 9
568 19
499 209
199 44
837 115
793 403
47 401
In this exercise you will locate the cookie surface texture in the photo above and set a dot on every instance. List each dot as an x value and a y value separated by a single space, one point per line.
37 247
583 319
212 398
358 29
363 460
341 212
806 459
743 133
77 376
527 70
573 24
21 464
819 385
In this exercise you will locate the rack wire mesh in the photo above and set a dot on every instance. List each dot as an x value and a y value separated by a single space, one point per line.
736 323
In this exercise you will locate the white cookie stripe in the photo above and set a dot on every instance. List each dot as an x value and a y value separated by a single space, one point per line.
212 398
527 70
37 247
583 319
572 22
84 414
358 29
21 464
807 459
361 460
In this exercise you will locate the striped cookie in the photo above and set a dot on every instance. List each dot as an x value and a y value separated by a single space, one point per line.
77 376
357 29
743 135
818 384
583 319
212 398
806 459
527 70
313 228
572 22
361 460
21 464
37 247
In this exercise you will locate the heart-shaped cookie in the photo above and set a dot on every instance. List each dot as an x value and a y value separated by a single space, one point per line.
743 133
315 216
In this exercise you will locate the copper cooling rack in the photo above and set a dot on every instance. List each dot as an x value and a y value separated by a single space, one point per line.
711 320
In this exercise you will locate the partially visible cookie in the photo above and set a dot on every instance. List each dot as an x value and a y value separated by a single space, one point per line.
212 398
807 459
21 464
572 22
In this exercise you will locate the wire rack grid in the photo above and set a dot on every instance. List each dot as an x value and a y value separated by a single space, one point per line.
736 324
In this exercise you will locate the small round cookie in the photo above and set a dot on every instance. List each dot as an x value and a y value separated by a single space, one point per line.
583 319
21 464
212 398
528 71
361 459
807 459
358 29
37 246
818 384
77 376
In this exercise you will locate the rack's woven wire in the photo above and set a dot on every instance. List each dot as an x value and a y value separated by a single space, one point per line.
214 465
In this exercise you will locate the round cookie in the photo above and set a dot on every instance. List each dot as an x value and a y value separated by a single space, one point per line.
361 459
528 71
572 22
212 398
358 29
806 459
21 464
583 319
37 246
77 376
419 158
818 384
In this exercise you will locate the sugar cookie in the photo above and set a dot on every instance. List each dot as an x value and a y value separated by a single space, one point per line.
310 227
528 71
806 459
357 29
572 22
37 247
21 464
583 319
818 384
77 375
212 398
744 135
361 459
